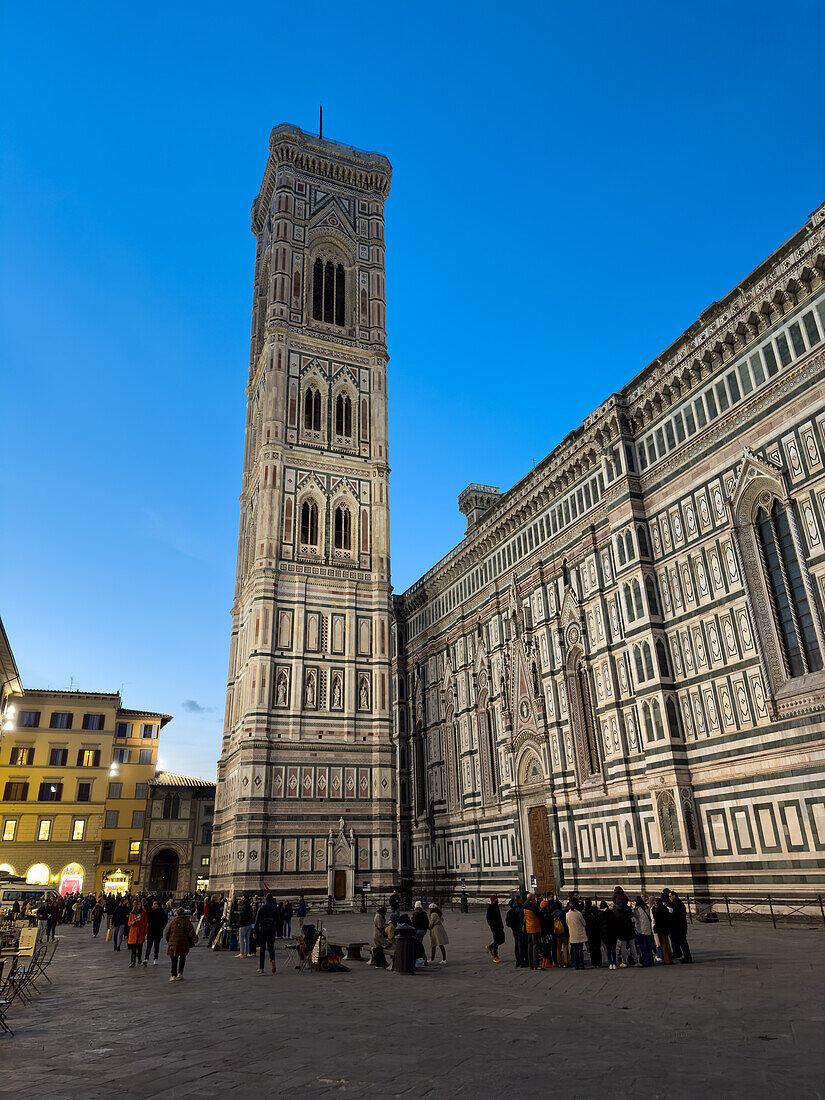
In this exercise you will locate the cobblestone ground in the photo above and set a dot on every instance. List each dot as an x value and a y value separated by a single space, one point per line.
747 1020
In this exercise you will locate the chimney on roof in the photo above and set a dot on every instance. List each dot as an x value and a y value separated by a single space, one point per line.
475 501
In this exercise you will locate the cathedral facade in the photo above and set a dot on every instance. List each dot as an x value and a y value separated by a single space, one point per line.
617 675
306 794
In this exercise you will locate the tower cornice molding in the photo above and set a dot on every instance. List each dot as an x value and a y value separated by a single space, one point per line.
319 158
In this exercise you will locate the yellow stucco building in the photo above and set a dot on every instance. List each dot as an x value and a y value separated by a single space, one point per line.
74 774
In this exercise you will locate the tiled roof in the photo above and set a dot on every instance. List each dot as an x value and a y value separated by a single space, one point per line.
169 779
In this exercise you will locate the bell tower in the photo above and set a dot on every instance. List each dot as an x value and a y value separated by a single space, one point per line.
306 778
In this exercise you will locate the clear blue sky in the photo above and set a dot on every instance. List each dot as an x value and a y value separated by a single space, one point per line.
573 185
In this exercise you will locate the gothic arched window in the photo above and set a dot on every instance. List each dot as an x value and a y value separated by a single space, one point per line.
309 523
628 603
661 657
637 598
673 722
637 660
652 602
491 749
669 823
312 410
583 713
343 415
648 661
789 600
329 283
644 548
647 721
657 720
628 542
342 534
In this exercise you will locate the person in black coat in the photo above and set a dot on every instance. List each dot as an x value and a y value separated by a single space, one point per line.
594 933
678 927
607 927
496 927
157 918
625 931
661 929
515 922
266 925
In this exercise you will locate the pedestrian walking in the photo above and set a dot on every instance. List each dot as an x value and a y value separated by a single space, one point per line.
560 934
496 927
532 927
301 912
644 929
625 928
157 919
607 924
97 917
120 918
438 933
246 920
577 931
138 925
661 929
180 937
266 925
421 924
678 927
286 920
594 935
380 939
515 921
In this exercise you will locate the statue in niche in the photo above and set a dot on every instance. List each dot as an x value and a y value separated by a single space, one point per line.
336 691
310 689
282 688
364 694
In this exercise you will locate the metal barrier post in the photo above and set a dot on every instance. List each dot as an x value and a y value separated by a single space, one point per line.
821 907
727 907
770 904
689 912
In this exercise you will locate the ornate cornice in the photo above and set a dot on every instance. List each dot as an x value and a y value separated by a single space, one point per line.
323 159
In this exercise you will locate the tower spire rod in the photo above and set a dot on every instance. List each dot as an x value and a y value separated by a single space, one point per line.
320 120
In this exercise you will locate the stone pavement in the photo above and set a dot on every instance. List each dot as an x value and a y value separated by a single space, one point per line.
747 1020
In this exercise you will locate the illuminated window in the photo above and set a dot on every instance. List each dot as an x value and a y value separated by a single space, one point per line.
79 828
50 792
88 758
9 828
204 861
23 756
134 850
45 830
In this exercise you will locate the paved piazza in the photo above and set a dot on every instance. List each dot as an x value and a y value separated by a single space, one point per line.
746 1019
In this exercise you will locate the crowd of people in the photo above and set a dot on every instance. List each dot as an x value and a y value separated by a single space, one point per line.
547 933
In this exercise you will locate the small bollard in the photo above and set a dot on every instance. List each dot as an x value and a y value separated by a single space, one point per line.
465 905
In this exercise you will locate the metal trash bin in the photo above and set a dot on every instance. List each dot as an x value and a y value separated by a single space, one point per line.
404 945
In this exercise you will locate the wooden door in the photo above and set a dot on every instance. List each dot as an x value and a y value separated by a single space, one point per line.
340 885
542 850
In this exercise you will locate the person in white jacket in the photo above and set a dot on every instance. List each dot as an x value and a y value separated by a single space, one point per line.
577 930
644 929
